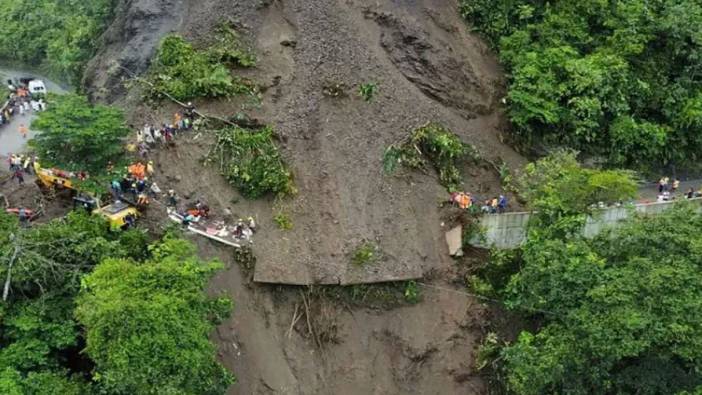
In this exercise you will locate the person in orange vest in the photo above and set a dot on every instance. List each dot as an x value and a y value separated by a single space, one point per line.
177 118
23 131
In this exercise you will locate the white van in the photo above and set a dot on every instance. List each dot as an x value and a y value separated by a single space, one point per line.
37 87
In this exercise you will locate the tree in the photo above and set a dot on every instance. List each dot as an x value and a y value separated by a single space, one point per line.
557 187
618 313
147 323
77 135
59 36
616 79
41 268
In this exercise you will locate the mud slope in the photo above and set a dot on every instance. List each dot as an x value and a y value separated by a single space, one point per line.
429 68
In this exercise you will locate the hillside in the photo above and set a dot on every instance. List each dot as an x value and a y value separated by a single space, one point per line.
428 67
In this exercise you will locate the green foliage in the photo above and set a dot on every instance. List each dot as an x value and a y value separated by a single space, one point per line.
57 35
368 91
437 145
44 383
40 339
283 221
186 73
613 79
412 293
557 187
250 160
617 312
78 136
376 296
365 254
147 323
227 49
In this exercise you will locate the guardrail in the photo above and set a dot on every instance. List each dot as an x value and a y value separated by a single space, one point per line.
509 230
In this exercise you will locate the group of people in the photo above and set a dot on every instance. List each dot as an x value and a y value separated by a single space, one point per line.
466 201
19 165
667 190
135 182
20 103
148 137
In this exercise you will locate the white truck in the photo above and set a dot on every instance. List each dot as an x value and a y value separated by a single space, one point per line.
36 87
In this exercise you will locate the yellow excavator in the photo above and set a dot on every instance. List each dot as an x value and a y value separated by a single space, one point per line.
119 214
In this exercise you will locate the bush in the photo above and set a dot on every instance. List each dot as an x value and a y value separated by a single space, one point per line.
437 145
251 162
186 73
227 49
365 254
367 91
283 221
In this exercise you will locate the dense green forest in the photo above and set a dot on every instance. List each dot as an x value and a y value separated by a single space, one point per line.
616 79
59 36
613 315
87 310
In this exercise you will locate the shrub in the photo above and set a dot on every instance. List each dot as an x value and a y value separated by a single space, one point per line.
250 161
283 221
366 254
367 91
412 294
228 49
437 145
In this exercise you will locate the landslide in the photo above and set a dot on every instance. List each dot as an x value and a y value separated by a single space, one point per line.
428 67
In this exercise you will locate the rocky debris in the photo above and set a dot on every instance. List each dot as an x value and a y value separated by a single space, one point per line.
432 65
129 43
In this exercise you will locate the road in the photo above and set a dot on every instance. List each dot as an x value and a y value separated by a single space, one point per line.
11 140
649 192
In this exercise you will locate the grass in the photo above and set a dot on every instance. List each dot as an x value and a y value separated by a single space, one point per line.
365 254
368 91
376 296
283 221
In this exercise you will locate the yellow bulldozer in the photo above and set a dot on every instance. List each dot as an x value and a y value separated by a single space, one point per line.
119 214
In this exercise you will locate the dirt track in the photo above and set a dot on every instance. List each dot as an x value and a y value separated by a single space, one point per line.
429 68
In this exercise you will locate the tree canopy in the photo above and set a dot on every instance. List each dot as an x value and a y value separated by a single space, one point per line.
613 314
57 35
617 79
142 310
557 186
77 135
147 324
619 314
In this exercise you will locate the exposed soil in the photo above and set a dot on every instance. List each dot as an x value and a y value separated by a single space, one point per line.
428 67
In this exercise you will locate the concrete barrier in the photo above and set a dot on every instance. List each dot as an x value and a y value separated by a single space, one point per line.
509 230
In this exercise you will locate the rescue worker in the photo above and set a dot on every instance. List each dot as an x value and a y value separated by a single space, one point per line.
252 224
23 131
172 199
